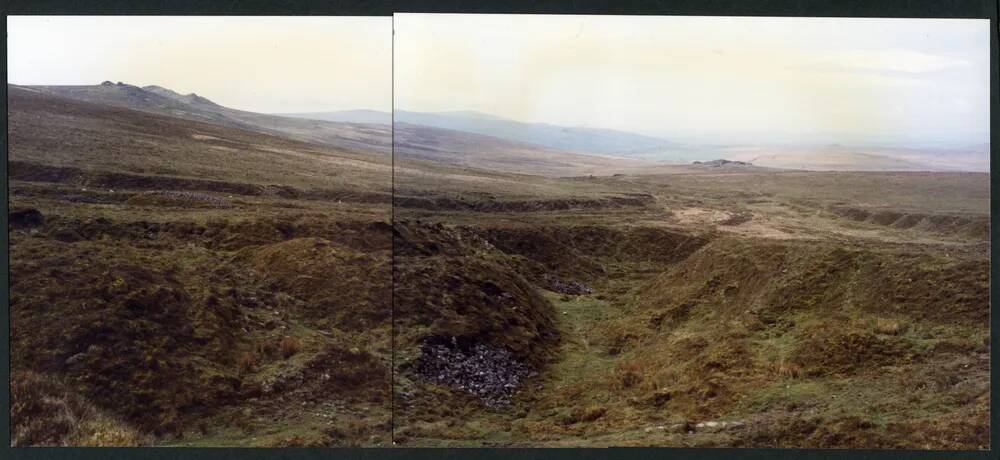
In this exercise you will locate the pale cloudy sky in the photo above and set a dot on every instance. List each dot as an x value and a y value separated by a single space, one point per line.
263 64
722 79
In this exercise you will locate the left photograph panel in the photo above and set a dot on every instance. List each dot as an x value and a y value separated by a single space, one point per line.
200 238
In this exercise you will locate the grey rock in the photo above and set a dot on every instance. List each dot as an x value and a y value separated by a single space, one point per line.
75 358
487 371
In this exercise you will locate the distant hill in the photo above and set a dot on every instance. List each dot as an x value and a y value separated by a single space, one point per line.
346 116
163 101
489 153
609 142
846 158
58 139
575 139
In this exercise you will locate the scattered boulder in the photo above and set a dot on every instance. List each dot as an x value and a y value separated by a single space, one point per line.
716 426
691 428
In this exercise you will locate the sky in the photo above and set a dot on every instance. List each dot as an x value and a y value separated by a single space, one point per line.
261 64
706 79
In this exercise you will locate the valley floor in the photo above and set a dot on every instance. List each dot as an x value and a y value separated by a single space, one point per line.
784 314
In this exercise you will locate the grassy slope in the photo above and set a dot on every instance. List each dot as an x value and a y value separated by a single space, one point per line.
189 318
361 138
63 132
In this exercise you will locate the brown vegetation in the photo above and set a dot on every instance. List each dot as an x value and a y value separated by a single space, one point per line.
204 300
46 413
288 346
147 274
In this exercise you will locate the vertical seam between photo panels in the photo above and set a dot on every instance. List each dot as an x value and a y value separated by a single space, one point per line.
9 432
392 225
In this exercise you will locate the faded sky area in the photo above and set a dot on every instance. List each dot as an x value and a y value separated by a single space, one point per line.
262 64
706 79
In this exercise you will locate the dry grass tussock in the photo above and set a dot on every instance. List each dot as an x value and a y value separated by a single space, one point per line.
45 413
289 346
889 326
627 375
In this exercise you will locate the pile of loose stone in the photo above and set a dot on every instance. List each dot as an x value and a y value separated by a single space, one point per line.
567 287
489 372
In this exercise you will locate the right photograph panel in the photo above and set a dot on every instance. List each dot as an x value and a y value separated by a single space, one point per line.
691 232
